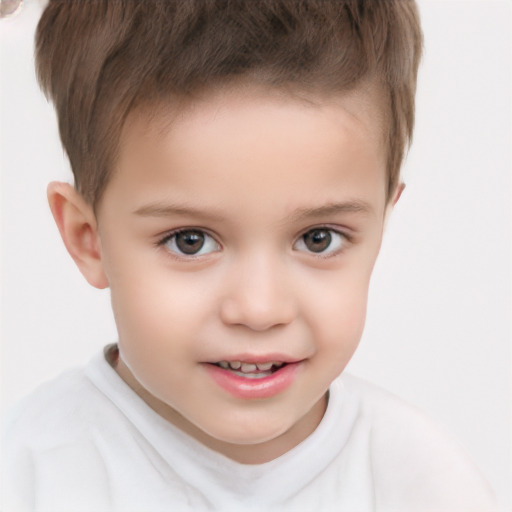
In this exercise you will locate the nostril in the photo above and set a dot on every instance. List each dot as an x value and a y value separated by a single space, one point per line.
255 315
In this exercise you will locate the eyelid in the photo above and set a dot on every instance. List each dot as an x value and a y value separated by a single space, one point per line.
345 231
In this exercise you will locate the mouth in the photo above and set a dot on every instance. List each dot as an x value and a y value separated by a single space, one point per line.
255 379
251 370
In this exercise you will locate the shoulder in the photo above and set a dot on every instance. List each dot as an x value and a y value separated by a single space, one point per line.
417 465
54 411
52 436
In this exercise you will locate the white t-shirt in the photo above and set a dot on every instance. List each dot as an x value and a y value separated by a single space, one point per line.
87 442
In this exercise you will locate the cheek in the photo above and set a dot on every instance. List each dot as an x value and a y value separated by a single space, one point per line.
151 312
162 316
156 331
346 316
148 291
338 312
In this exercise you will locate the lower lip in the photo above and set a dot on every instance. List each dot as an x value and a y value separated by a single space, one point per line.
246 388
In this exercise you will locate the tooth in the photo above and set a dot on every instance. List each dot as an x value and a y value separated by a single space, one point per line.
277 364
235 365
264 366
248 367
261 375
224 364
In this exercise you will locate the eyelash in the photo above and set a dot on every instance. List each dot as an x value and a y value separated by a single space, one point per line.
344 239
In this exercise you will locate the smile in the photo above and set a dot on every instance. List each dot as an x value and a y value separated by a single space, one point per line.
251 370
251 380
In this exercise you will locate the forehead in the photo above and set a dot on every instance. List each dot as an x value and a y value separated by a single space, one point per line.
252 134
366 104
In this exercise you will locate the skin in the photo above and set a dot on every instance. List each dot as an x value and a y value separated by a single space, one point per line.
255 170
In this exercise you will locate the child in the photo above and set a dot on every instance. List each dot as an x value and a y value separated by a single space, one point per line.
235 164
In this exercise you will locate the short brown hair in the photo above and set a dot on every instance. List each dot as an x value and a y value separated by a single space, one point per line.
97 59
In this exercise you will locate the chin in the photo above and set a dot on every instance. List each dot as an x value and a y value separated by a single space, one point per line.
248 435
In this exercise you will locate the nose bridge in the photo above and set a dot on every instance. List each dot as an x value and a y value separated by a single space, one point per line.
259 294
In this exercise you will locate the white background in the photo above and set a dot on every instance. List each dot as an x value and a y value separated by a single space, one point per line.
438 331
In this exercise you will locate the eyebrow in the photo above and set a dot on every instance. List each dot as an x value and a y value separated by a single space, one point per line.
168 210
326 210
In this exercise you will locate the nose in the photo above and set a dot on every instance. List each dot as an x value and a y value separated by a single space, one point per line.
258 295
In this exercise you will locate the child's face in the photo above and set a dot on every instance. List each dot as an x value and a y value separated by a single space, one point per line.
243 229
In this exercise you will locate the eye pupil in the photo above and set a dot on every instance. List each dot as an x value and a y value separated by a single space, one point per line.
190 242
317 240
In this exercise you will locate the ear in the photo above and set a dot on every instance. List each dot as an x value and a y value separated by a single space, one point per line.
79 231
391 204
398 192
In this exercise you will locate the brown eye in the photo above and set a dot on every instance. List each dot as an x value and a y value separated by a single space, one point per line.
321 241
190 242
317 240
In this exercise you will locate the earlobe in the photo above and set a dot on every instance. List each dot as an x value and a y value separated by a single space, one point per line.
79 231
